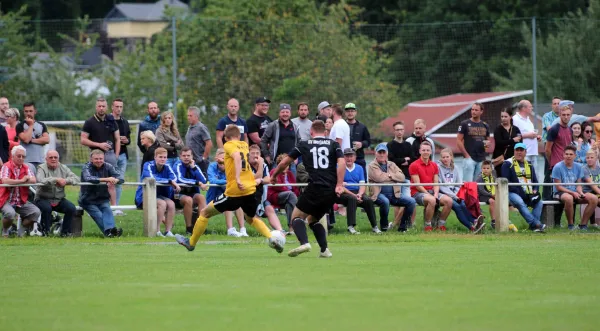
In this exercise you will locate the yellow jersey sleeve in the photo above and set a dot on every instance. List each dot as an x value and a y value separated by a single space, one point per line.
246 176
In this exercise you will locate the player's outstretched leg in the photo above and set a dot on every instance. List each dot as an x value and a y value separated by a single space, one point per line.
260 226
321 237
300 230
199 228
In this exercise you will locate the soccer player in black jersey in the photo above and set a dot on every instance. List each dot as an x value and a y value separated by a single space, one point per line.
324 162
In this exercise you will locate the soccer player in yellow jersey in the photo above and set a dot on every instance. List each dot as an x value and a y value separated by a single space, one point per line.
239 192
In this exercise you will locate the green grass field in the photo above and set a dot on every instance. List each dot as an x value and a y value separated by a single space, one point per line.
412 281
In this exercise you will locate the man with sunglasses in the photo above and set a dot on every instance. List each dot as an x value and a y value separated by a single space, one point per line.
54 176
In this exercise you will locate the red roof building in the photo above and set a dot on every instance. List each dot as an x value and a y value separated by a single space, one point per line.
443 115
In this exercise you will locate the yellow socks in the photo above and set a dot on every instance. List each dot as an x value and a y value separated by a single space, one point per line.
199 228
260 226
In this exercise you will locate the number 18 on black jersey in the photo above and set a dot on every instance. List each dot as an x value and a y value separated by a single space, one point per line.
319 156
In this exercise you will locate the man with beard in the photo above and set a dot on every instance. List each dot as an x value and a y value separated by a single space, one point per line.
150 123
302 121
259 120
280 137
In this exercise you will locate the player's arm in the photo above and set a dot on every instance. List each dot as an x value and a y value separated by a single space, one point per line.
288 160
460 143
341 171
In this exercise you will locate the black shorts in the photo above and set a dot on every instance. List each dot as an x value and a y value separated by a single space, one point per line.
316 201
248 204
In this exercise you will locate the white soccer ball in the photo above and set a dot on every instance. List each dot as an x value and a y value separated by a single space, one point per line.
276 237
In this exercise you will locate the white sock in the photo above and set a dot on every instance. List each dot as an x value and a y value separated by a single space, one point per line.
442 222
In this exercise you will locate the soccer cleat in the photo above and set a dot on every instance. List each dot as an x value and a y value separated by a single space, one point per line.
478 227
299 250
326 254
376 230
352 230
185 242
169 234
243 232
275 245
428 228
442 228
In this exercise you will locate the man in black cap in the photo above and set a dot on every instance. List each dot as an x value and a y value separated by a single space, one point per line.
259 120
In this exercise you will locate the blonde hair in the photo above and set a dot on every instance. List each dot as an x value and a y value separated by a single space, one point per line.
148 134
173 127
220 151
449 151
420 121
10 112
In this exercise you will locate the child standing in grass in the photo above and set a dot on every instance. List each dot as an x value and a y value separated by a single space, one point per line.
487 193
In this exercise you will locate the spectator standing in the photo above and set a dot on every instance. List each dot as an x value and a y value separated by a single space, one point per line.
401 153
15 199
284 196
383 172
549 117
163 174
417 138
569 171
5 144
50 196
4 105
354 196
472 140
325 111
259 120
233 107
585 143
529 133
188 172
360 138
518 170
328 126
101 132
150 123
148 140
33 136
12 119
124 141
280 137
198 139
216 176
506 135
302 121
168 137
340 131
95 199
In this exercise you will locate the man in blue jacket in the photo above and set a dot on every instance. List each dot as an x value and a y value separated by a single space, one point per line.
189 173
151 122
163 174
518 170
95 200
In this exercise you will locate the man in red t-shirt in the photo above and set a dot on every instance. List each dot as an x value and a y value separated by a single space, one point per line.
423 170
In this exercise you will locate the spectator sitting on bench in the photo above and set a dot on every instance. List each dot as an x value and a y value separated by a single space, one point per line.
188 172
14 199
51 195
592 172
95 199
284 196
165 207
487 193
354 196
568 171
518 170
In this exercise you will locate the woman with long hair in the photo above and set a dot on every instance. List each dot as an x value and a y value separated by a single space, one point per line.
577 134
168 137
448 173
506 136
12 119
586 142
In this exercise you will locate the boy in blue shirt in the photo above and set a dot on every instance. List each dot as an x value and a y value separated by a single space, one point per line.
568 171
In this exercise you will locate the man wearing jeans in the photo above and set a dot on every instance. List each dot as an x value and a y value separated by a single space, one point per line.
472 141
385 172
518 170
125 135
95 199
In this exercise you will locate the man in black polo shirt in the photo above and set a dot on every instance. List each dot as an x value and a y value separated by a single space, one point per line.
280 137
102 132
259 120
